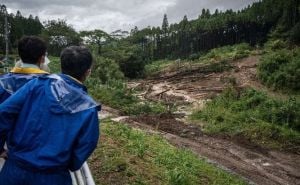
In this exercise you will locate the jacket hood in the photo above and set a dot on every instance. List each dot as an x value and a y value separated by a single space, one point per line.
65 97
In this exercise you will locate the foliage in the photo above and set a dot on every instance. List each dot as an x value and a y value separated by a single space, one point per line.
253 115
250 25
295 34
54 64
129 156
156 66
280 68
227 53
132 63
216 60
275 44
95 37
106 69
133 66
129 57
115 94
59 35
18 26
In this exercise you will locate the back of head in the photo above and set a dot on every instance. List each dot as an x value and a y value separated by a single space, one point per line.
76 61
31 49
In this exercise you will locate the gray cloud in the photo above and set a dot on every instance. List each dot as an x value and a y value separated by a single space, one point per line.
110 15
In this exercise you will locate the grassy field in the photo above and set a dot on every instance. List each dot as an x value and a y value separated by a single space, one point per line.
129 156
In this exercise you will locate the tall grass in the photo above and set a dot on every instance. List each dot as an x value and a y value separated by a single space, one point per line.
280 67
254 116
227 53
116 95
129 156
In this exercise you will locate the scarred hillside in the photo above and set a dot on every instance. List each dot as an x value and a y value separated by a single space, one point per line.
187 87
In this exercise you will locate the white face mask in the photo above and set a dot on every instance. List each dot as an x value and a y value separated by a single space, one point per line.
44 66
47 61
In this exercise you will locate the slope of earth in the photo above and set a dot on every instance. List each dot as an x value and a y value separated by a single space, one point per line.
189 89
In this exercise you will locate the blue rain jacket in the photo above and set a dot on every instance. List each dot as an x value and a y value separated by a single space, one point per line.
11 82
53 124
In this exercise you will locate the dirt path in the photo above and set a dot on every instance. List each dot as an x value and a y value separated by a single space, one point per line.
188 91
256 165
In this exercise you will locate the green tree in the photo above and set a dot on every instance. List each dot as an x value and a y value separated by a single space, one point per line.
165 26
59 35
96 37
106 69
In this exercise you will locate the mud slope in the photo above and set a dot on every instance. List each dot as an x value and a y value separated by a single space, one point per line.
191 89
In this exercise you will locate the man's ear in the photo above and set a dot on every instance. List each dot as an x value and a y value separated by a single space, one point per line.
86 75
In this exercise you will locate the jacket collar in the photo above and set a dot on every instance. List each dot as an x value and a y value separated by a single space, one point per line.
73 81
27 71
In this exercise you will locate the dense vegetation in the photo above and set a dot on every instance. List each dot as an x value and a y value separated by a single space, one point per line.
186 39
251 25
216 60
280 66
18 26
254 116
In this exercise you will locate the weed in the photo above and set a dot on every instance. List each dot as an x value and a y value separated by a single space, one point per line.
129 156
255 116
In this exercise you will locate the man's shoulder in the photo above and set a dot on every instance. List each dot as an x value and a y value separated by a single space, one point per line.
65 98
11 82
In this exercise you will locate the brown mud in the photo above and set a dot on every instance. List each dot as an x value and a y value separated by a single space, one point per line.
190 89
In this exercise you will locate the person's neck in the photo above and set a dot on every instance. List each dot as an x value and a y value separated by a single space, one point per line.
26 65
75 79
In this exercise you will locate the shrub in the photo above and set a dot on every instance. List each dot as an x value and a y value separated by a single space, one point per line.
295 34
133 66
227 53
115 94
280 69
106 69
255 116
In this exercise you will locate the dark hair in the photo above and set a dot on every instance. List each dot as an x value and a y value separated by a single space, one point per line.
31 48
75 61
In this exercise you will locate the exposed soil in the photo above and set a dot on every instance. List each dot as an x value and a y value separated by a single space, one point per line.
190 89
199 83
256 165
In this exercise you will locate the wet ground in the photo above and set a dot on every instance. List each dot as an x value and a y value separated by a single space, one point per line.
254 164
190 89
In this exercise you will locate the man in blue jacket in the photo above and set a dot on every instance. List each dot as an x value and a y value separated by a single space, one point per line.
32 51
52 124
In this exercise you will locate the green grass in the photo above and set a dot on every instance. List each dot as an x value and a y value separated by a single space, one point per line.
116 95
156 66
279 68
227 53
129 156
216 60
256 117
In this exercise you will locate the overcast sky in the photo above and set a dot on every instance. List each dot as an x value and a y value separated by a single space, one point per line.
110 15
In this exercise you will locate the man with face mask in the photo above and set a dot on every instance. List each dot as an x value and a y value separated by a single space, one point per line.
43 67
32 51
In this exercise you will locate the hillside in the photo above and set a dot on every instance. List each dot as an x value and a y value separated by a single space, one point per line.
218 108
